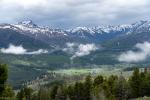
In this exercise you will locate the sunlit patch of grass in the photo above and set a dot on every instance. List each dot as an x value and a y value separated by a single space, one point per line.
21 62
93 71
143 98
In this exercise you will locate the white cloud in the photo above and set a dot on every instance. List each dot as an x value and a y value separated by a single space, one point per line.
71 47
24 3
19 50
40 51
136 56
14 50
84 49
79 50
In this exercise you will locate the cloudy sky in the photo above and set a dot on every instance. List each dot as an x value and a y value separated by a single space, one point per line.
72 13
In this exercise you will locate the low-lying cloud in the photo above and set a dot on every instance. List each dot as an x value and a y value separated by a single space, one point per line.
136 56
70 48
19 50
79 50
84 50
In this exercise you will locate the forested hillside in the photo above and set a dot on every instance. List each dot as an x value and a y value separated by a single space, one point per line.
91 88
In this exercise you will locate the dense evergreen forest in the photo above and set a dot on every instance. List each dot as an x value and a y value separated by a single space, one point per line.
92 88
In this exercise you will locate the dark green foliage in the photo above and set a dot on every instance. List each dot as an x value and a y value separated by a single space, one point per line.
53 92
43 94
79 91
21 95
109 87
135 83
102 88
6 91
88 87
139 84
111 84
71 92
98 80
121 89
61 93
145 84
3 77
25 94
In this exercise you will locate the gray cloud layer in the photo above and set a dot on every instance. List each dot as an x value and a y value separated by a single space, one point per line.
136 56
70 13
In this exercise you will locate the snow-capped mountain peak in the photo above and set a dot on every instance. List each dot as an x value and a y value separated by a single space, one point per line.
28 23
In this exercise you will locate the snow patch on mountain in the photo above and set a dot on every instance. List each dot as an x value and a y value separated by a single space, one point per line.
46 33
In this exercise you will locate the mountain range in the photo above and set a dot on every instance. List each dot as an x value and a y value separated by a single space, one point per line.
88 46
28 33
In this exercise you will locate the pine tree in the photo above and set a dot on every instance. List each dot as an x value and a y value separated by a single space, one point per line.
121 89
3 77
21 95
71 93
28 93
8 92
61 93
135 83
98 80
25 94
43 94
87 88
53 92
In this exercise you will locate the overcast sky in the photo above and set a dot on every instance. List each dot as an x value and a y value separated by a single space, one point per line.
72 13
